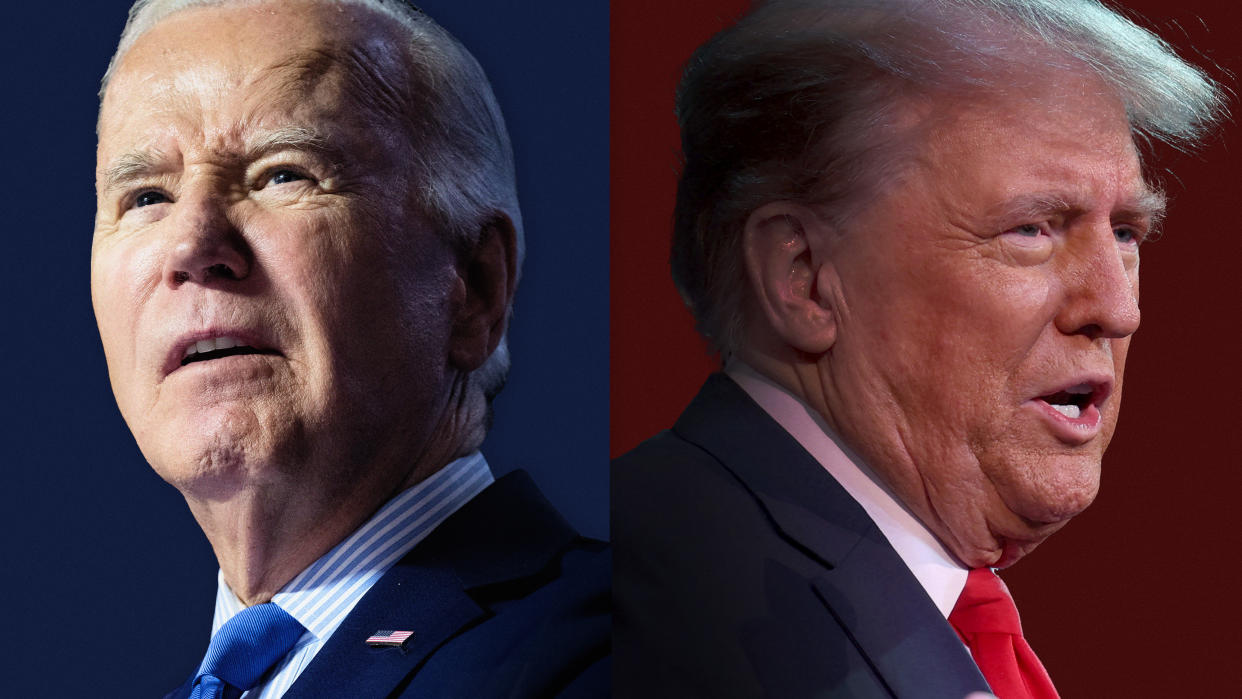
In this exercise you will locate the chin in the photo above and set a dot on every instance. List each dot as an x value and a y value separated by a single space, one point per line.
1002 545
211 459
1035 516
212 472
1042 488
1026 508
1057 498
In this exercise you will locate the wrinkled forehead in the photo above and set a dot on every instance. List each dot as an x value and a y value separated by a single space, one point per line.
1062 142
217 70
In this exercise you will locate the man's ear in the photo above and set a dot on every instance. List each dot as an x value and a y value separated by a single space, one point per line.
488 273
784 247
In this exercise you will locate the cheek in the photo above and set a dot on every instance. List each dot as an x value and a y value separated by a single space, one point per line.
360 297
314 259
959 327
998 311
122 280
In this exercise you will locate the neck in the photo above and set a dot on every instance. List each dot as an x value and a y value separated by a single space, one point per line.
803 377
261 543
267 530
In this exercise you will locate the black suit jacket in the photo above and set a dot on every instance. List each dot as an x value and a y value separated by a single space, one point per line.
743 569
504 598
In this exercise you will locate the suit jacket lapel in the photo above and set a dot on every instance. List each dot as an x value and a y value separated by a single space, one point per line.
901 633
428 591
430 602
865 585
804 502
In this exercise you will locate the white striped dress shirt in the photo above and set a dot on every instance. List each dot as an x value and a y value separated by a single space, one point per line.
322 595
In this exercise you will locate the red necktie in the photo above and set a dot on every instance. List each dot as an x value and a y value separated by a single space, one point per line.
988 624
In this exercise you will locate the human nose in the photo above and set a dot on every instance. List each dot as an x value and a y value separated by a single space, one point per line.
1101 288
207 248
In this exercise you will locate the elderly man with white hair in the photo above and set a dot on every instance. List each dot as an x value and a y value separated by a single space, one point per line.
911 228
306 246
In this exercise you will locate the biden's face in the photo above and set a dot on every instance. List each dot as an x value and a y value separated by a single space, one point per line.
985 306
271 302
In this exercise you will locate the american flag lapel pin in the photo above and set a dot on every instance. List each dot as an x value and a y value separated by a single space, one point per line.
387 638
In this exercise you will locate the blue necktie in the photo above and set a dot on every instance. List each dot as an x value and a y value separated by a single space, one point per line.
244 649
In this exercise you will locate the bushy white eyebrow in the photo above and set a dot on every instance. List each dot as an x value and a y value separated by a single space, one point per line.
286 138
140 164
1148 204
132 166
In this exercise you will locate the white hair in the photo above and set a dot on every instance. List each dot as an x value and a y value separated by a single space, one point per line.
798 101
463 160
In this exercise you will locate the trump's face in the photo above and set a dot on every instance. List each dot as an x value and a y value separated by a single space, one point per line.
272 305
985 306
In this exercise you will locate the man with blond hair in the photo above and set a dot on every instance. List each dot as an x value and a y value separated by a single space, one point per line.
911 229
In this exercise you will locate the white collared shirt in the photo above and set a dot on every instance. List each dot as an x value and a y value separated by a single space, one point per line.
935 568
321 596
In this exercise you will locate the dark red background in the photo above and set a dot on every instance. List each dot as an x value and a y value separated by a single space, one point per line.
1138 597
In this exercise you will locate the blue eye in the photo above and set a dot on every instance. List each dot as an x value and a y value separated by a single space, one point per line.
148 198
1126 235
283 176
1029 230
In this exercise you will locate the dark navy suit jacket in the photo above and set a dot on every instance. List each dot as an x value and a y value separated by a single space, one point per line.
504 598
743 569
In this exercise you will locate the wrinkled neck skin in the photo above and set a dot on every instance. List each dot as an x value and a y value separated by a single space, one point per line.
265 531
955 518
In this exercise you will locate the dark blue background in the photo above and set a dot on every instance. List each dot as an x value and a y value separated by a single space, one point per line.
108 582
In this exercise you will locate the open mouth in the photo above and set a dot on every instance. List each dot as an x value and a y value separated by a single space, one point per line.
217 348
1072 401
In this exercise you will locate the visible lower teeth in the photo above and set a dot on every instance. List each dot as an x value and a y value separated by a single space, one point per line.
1070 411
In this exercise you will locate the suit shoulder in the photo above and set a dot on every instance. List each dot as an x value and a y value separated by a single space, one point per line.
668 486
687 534
545 632
711 599
668 463
550 635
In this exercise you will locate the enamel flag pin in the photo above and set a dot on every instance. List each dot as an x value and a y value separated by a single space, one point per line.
387 638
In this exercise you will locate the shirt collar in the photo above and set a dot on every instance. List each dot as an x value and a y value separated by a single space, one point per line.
324 593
